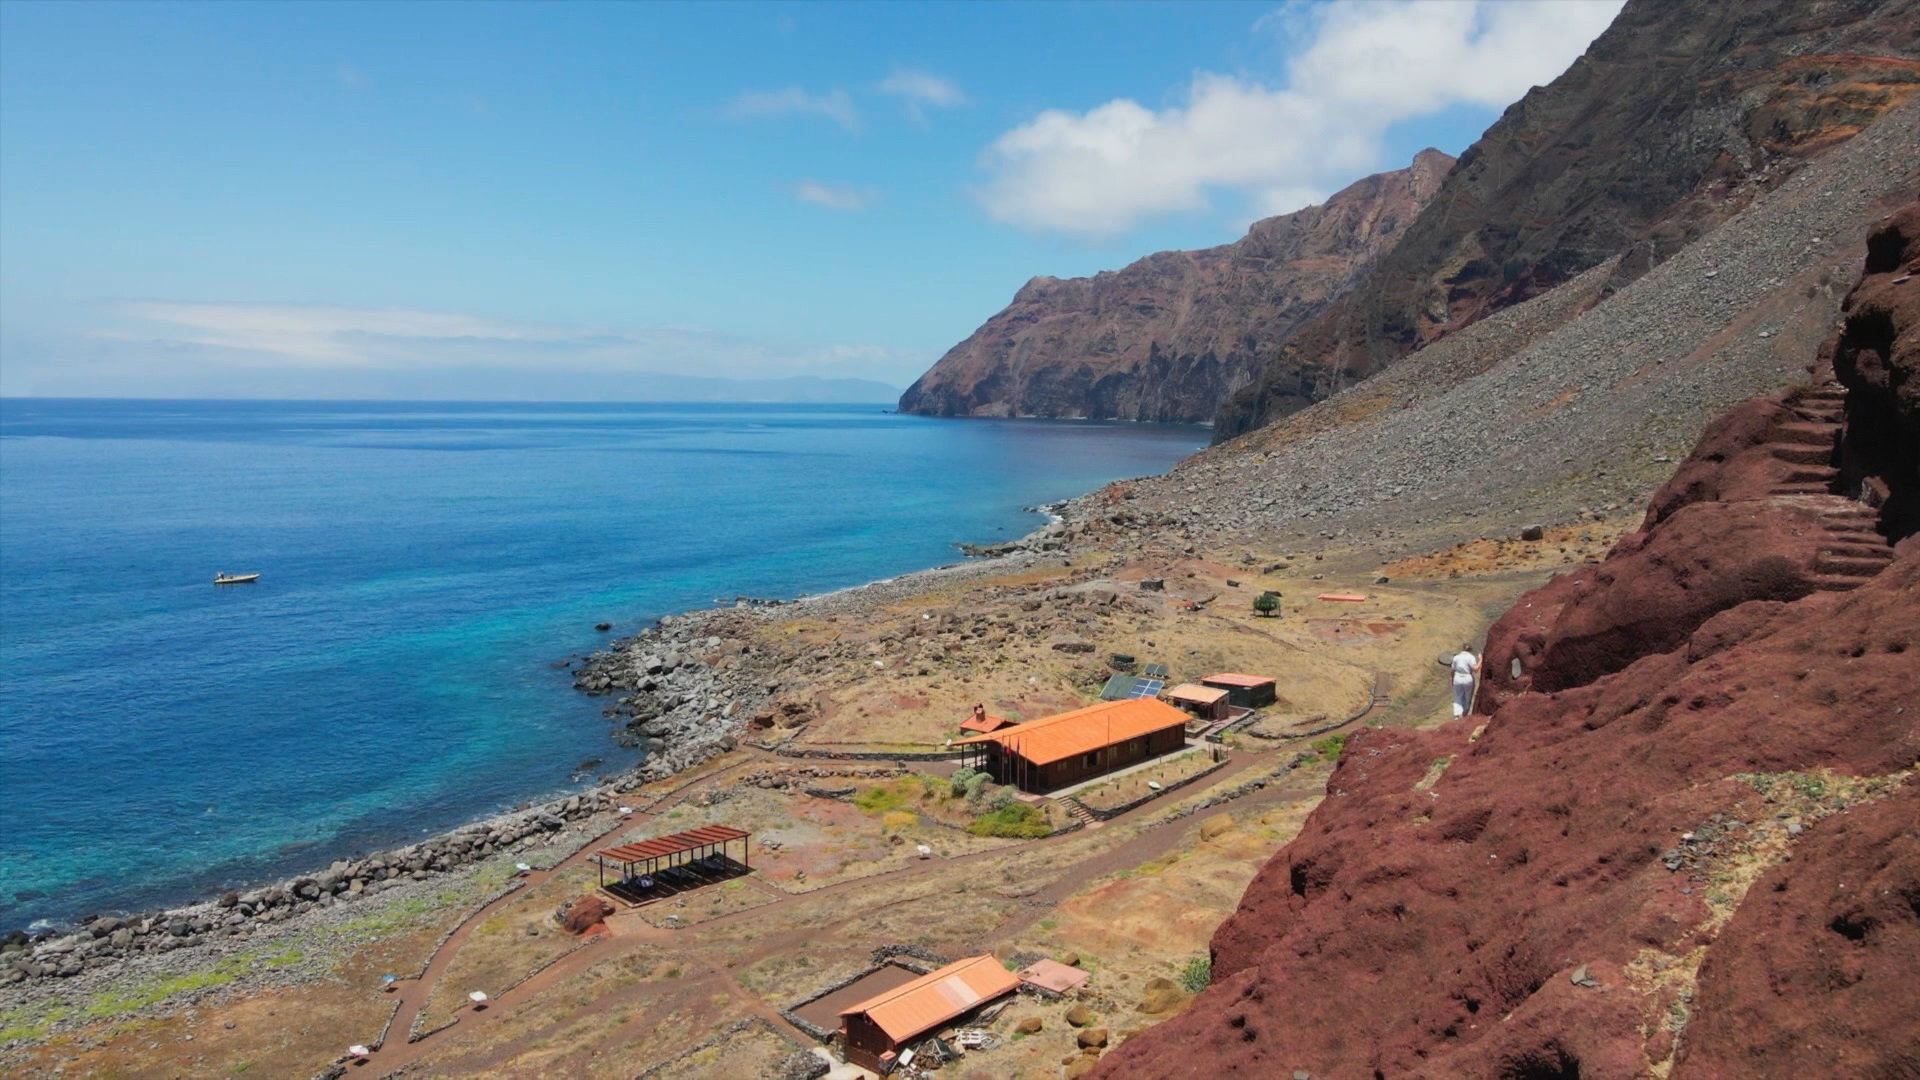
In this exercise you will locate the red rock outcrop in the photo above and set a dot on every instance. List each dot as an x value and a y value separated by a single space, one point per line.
1876 356
1170 336
588 915
1678 116
1693 857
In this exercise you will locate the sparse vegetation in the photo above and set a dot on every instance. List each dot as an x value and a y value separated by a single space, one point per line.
1197 974
1015 820
1329 747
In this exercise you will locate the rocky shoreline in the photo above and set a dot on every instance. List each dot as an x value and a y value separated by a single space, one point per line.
687 688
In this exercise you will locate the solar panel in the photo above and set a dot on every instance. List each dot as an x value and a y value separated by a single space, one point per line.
1118 687
1147 687
1154 671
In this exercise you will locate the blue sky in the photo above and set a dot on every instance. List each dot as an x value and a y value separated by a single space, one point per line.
266 199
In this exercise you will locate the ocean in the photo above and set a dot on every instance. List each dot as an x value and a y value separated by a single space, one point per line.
422 566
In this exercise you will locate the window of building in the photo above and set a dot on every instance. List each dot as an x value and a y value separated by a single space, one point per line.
1090 759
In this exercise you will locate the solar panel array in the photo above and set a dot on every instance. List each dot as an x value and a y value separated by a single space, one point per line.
1155 671
1121 687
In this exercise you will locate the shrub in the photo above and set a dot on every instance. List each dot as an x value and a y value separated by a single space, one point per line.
1329 747
1016 820
1197 974
1267 603
966 783
878 800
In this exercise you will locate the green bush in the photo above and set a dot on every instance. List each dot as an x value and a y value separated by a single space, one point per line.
1197 974
1267 603
1015 820
1329 747
966 783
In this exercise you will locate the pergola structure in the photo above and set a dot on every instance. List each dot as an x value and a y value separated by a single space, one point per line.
648 858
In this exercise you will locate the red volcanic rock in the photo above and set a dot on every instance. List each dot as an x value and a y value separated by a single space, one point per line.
1682 842
1877 357
1171 335
1659 585
588 915
1440 932
1816 973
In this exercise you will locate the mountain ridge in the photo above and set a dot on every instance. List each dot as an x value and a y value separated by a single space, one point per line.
1168 336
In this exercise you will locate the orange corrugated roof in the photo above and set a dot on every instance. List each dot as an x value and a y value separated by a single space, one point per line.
1056 738
1234 678
1205 695
937 997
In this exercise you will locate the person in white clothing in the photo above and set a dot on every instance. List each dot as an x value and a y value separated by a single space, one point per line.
1465 664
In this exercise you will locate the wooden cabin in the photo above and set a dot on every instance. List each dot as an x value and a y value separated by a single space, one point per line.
1055 751
874 1031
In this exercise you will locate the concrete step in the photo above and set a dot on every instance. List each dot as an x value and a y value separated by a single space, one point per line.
1838 566
1802 455
1809 434
1835 584
1827 392
1857 547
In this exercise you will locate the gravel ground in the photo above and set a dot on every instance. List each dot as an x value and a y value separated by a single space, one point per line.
1517 422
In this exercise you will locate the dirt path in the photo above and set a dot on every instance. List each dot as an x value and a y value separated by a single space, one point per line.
396 1054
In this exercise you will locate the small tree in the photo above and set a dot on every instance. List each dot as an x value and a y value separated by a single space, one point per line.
1267 603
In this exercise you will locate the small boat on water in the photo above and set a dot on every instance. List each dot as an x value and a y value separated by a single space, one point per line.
224 578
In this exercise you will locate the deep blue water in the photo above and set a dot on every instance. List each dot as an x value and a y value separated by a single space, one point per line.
422 565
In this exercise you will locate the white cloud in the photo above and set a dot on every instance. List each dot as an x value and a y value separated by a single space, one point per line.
834 196
921 90
835 105
349 339
1361 68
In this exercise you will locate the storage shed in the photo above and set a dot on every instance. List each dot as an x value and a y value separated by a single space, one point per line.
1055 751
1207 702
874 1031
1246 691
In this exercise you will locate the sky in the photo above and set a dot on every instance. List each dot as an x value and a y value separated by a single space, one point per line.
518 200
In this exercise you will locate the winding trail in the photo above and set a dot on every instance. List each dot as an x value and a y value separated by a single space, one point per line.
397 1053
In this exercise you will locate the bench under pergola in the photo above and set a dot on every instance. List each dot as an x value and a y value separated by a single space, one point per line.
700 853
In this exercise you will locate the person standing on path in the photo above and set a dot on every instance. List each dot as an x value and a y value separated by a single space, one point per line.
1464 665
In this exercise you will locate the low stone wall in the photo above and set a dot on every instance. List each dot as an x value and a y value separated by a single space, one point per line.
1131 804
917 960
792 1067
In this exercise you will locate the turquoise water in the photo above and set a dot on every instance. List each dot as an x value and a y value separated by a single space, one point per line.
422 567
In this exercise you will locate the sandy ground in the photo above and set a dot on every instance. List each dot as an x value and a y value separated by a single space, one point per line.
1134 899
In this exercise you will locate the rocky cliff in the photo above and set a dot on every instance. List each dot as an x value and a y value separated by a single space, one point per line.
1678 115
1678 836
1170 336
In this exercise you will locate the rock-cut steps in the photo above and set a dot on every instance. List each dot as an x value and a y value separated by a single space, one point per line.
1853 549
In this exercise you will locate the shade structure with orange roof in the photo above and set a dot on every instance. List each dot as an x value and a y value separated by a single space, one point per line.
1054 751
883 1024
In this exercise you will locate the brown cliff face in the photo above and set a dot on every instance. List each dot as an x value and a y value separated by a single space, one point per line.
1678 837
1170 336
1677 116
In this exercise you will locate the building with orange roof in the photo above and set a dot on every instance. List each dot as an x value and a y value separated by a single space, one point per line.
1245 691
1055 751
873 1032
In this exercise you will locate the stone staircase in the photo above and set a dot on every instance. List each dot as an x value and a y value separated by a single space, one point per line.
1853 549
1078 811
